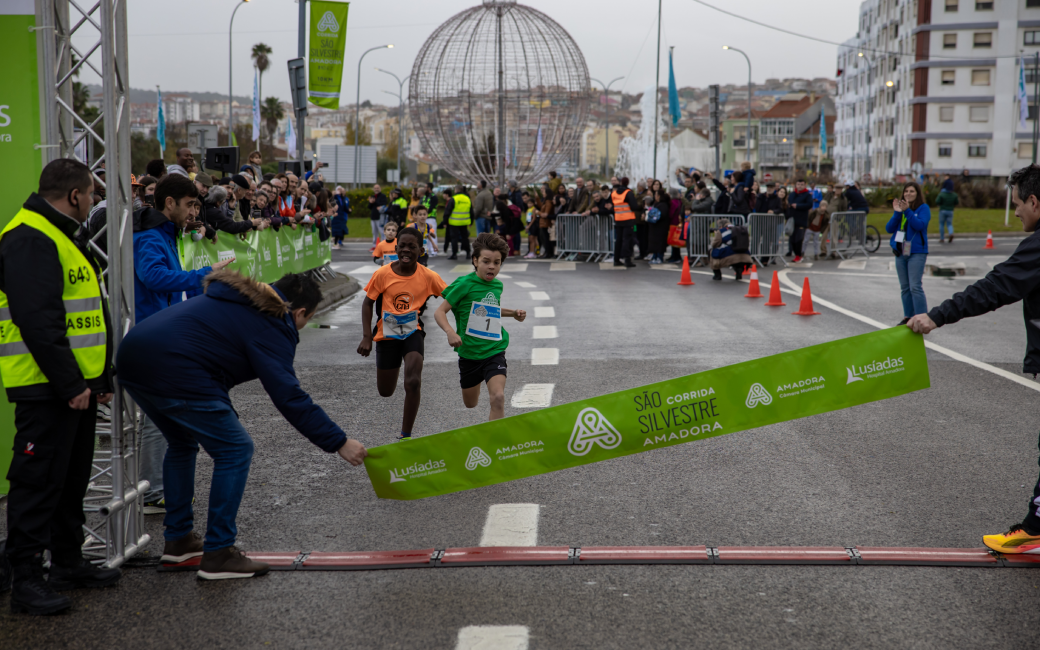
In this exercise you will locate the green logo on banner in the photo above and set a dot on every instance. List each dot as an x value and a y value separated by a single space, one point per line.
818 379
265 256
328 39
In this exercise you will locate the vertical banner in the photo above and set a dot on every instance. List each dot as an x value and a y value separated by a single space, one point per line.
328 39
20 160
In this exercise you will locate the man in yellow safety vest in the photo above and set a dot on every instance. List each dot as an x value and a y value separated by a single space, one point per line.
460 214
55 361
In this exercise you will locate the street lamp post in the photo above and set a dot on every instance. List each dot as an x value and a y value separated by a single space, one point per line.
357 114
400 112
230 116
606 91
747 136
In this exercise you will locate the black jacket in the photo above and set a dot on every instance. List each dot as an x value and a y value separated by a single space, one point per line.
373 208
722 203
1017 278
857 202
31 276
216 218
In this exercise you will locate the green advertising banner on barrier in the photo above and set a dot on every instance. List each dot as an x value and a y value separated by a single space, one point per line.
20 160
779 388
327 42
265 256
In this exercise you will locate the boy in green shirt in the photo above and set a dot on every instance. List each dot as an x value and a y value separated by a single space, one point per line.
475 301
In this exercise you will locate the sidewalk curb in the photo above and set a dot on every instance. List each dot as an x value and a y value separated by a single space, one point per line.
343 287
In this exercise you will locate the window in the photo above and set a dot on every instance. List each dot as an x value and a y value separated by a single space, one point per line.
1031 37
946 113
945 149
1031 4
983 39
948 77
951 6
1031 111
950 41
978 114
983 6
807 151
978 77
1025 150
976 151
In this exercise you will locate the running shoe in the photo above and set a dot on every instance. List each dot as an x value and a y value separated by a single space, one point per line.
1016 540
797 259
155 507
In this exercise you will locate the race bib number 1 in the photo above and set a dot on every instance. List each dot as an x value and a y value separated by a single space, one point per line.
485 321
400 326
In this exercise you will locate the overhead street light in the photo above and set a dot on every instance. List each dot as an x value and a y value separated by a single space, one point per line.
357 113
747 136
230 118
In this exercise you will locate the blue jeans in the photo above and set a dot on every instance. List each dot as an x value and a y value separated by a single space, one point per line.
153 451
910 269
483 225
186 424
945 222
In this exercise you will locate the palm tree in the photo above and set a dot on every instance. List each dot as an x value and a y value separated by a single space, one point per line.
261 62
272 113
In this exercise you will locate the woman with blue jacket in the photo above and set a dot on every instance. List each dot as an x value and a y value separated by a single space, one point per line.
909 228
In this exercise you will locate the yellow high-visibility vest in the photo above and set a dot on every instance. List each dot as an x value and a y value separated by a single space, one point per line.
460 215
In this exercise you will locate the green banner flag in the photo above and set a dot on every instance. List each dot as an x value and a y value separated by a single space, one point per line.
264 256
328 40
787 386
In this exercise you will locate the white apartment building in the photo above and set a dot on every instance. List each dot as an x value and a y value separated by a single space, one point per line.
935 85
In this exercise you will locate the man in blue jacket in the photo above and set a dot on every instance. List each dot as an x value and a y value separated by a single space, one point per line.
248 330
159 283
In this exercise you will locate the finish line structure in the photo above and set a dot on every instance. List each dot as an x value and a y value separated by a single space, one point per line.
604 555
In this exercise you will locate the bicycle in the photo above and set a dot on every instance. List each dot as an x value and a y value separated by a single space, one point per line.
873 242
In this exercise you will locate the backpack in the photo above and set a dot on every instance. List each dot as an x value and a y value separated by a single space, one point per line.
653 215
740 240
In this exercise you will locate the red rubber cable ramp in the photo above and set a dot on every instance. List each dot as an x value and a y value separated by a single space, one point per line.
365 560
1022 560
644 555
506 555
782 555
283 561
927 556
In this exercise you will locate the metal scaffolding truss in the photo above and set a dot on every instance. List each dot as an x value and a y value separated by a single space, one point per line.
115 527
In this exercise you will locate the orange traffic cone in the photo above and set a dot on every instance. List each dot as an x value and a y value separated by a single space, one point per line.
685 280
806 308
989 240
774 293
753 290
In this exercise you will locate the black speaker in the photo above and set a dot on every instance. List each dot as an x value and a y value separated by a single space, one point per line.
222 159
286 166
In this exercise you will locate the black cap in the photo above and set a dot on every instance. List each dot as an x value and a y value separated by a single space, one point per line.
240 180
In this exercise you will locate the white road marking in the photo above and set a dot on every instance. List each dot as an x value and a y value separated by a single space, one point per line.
493 637
545 357
609 266
533 396
857 265
545 332
525 285
545 312
1000 372
367 269
503 276
539 295
511 524
519 268
665 267
563 266
461 268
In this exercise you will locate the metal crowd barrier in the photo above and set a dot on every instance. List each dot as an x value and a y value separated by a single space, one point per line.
591 235
767 237
848 234
701 230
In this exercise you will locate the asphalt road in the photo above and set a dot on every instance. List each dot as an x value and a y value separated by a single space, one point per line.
936 468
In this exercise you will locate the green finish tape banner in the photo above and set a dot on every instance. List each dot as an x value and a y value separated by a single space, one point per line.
782 387
265 256
328 40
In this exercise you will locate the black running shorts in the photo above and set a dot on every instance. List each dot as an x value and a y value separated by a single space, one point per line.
474 371
390 352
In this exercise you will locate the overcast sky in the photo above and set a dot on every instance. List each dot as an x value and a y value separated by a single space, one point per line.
183 45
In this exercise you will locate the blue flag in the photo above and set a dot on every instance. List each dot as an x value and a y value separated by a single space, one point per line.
160 131
823 131
673 93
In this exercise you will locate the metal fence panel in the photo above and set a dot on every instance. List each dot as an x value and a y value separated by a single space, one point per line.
591 235
767 236
848 233
700 230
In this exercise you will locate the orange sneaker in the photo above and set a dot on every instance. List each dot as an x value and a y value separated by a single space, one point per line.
1016 540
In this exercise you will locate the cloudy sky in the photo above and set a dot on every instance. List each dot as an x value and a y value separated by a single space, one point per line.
183 45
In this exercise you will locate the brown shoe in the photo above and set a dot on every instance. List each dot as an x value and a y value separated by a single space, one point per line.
229 563
182 550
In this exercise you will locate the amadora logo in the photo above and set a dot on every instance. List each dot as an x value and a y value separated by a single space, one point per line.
416 470
477 458
590 429
758 395
328 23
874 369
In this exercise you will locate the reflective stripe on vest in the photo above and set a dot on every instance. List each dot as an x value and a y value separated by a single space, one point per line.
460 214
84 318
622 210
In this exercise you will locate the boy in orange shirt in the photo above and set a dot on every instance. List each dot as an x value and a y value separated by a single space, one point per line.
399 292
386 250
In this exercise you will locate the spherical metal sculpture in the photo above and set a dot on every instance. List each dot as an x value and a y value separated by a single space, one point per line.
500 91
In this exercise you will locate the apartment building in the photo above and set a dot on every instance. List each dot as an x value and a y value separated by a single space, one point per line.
932 86
789 133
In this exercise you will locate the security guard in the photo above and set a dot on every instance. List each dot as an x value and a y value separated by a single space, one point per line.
55 361
624 221
459 218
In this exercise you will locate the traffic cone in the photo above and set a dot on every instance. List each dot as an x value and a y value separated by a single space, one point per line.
806 307
774 293
685 280
753 290
989 240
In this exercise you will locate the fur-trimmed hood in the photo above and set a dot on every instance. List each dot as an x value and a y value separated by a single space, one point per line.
263 296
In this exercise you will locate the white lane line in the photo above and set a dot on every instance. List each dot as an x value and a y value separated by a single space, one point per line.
539 295
519 268
511 524
493 637
563 266
1000 372
545 312
503 276
857 265
609 266
533 396
545 357
545 332
367 269
525 285
461 268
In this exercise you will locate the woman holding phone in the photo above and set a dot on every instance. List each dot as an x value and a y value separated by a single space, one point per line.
909 242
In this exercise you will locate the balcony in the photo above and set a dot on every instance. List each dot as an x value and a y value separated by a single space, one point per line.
738 143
